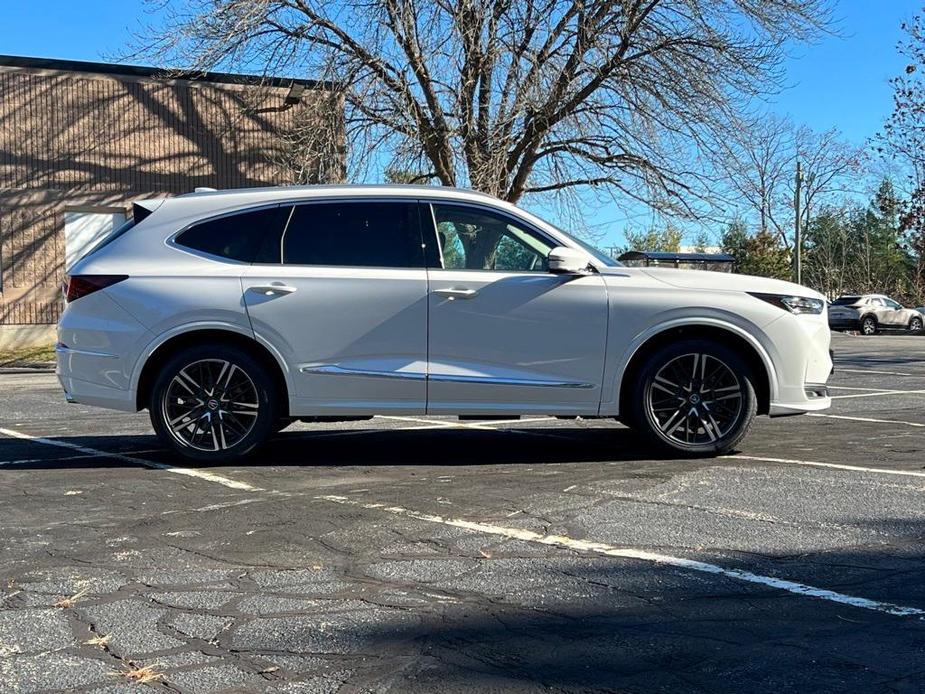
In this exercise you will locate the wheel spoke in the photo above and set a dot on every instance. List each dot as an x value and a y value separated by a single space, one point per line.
695 399
211 405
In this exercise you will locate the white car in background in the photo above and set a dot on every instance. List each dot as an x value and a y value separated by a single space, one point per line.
230 314
873 313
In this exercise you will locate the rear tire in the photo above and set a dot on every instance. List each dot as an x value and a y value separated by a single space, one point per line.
213 403
694 397
868 325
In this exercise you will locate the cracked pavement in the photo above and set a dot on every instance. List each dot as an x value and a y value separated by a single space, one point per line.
429 555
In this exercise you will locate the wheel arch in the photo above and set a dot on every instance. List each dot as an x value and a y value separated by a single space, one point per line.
157 356
744 344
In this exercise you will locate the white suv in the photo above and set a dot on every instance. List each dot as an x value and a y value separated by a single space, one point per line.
230 314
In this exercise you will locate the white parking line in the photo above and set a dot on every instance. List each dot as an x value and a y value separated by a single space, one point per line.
483 425
188 472
865 390
878 394
873 371
601 548
834 466
866 419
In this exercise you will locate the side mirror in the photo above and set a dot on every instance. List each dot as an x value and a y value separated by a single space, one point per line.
568 261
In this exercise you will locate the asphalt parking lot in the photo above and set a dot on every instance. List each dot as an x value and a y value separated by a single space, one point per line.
428 555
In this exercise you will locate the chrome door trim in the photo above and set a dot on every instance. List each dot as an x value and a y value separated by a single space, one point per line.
335 370
492 380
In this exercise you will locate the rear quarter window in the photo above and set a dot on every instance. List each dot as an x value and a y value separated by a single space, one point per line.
247 237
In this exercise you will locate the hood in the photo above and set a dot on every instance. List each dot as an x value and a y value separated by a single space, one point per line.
725 281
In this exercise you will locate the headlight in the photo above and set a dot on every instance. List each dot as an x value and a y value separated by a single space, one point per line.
794 304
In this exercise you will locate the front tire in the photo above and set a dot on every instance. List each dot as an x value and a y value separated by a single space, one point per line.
213 403
694 397
915 325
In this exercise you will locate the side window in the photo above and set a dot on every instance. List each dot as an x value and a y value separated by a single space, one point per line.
354 234
893 305
248 237
475 239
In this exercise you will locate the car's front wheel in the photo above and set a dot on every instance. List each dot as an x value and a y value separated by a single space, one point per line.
915 325
696 397
213 403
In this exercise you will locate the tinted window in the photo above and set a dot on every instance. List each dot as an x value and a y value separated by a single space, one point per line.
250 237
846 300
475 239
357 234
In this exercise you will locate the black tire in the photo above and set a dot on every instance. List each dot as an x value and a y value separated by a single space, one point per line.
715 405
915 325
220 426
868 326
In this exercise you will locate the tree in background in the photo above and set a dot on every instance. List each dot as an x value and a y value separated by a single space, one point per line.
853 249
758 253
512 97
903 141
757 164
667 238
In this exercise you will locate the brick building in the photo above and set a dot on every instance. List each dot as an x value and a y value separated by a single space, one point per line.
80 141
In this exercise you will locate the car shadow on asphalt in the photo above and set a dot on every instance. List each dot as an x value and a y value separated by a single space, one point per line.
363 447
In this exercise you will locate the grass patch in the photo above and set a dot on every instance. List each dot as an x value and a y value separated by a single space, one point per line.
27 355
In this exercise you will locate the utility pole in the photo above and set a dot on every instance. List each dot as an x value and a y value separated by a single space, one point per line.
797 230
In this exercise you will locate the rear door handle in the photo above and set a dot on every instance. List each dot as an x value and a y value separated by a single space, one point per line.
456 293
273 289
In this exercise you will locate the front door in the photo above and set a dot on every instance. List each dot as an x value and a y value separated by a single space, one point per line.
347 307
506 335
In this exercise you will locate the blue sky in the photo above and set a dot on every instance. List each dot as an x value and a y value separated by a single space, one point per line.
841 81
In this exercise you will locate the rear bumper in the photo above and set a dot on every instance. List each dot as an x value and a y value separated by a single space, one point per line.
97 341
76 390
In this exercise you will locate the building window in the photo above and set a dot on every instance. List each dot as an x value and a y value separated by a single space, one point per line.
83 229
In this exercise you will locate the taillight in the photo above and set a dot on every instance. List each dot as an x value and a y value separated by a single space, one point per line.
81 285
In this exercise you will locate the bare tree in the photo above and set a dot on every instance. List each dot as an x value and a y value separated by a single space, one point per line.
758 166
515 96
755 162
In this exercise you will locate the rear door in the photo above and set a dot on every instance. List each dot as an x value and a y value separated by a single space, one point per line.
346 307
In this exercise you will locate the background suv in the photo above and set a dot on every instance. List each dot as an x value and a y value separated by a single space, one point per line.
871 313
229 314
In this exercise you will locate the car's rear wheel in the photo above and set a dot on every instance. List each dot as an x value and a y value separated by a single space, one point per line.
213 403
915 325
696 397
868 325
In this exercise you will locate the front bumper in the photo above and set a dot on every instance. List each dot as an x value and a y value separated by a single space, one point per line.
803 361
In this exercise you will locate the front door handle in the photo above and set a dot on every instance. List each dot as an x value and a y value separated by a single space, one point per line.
275 289
455 293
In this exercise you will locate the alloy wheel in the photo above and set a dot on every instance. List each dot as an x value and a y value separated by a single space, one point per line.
868 327
915 325
210 405
695 399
